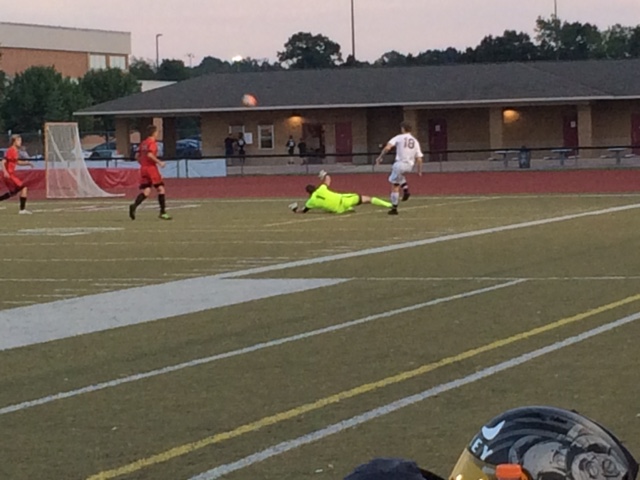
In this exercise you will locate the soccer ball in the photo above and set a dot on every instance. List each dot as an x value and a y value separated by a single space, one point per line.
249 100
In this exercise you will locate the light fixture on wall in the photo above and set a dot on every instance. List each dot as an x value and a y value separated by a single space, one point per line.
510 116
295 119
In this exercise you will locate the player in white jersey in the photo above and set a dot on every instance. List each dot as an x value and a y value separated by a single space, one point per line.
408 153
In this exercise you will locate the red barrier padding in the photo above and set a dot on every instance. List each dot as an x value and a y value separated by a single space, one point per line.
291 186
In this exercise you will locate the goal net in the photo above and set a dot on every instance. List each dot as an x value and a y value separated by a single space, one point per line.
67 175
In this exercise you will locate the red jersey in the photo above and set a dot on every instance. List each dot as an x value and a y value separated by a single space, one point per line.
148 146
11 157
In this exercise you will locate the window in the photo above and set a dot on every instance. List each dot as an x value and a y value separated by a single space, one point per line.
118 61
265 137
97 62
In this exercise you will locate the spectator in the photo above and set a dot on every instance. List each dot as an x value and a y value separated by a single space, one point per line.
302 148
228 146
291 145
241 144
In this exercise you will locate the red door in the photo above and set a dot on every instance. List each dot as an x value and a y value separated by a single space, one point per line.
344 142
570 131
438 142
635 133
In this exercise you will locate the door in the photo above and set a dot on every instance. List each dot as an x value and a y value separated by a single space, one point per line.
438 141
570 131
313 136
635 133
344 142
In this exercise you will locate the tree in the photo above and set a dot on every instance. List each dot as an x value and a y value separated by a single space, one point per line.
142 69
392 59
101 86
211 65
40 95
568 41
440 57
173 70
304 51
512 46
621 42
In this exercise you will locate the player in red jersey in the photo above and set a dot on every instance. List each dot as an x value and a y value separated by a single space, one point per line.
14 185
149 174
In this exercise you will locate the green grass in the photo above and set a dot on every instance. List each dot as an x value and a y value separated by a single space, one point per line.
569 267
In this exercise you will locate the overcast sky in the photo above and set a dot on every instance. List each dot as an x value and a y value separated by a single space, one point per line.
259 28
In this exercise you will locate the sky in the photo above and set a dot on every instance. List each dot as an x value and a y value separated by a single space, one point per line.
260 28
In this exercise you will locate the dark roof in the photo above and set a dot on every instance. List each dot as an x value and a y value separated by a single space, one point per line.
506 83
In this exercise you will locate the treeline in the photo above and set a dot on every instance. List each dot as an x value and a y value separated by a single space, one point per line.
554 39
41 94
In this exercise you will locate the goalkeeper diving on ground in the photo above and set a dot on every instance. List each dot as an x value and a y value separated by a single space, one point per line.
322 198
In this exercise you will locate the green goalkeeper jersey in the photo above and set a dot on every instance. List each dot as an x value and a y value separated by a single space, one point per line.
324 199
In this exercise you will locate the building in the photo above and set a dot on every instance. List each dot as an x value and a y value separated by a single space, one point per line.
352 111
71 51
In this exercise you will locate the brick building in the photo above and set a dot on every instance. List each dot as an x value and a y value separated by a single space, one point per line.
352 111
71 51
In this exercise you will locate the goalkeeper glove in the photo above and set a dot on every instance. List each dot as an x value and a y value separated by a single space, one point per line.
322 174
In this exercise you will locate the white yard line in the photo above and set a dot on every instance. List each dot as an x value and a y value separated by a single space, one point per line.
250 349
428 241
392 407
481 278
24 326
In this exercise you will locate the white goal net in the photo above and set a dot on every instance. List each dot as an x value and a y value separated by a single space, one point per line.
67 175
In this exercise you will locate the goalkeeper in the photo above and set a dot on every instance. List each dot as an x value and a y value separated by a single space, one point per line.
322 198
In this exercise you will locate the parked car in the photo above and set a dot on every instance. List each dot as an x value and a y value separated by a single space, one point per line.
24 155
104 151
185 148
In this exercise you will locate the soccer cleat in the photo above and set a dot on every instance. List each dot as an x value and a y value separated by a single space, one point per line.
393 211
164 216
293 207
25 212
406 195
132 211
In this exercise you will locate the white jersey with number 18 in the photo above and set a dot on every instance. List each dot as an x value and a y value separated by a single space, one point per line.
407 148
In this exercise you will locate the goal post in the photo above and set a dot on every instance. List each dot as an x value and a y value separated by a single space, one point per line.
66 172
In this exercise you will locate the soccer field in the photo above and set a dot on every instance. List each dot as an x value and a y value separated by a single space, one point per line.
239 341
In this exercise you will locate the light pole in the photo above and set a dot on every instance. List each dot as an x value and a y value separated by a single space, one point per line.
190 57
158 35
353 32
555 8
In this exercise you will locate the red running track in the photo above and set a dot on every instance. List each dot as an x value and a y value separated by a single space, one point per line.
458 183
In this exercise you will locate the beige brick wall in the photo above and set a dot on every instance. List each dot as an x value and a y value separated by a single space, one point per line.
612 122
537 127
467 129
215 127
382 125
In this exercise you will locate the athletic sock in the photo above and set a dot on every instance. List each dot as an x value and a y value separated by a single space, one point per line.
162 202
378 202
5 196
23 203
395 196
139 199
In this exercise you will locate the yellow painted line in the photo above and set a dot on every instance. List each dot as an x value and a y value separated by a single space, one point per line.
347 394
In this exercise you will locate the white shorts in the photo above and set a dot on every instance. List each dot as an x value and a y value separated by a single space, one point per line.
398 171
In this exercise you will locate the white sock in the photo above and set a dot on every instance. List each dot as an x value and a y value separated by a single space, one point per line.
395 196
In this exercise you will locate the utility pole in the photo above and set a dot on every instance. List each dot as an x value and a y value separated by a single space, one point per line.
353 32
555 8
158 35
